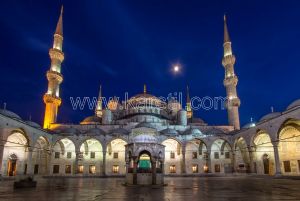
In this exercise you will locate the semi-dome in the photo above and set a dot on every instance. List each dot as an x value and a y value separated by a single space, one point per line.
10 114
144 99
95 131
33 124
169 132
270 116
294 104
192 131
91 120
145 124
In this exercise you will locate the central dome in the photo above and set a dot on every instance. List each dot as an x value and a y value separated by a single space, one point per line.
145 100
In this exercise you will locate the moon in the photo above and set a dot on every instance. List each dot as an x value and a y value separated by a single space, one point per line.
176 68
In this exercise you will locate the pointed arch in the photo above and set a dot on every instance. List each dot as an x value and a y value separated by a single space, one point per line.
115 156
289 146
173 155
15 153
263 153
41 156
92 149
220 162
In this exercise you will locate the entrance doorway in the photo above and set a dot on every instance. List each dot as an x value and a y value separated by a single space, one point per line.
144 164
12 165
145 169
266 163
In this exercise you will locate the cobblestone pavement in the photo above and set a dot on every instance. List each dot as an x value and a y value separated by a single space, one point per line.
184 188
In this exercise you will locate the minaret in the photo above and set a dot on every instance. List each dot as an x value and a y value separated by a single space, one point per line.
54 76
230 81
99 108
188 107
145 88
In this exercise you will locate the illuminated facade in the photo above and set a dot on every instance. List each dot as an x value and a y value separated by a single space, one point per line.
145 143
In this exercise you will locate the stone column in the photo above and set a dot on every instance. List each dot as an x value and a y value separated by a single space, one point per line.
103 172
1 154
162 166
251 160
233 162
50 170
127 166
135 170
208 161
76 162
153 164
29 161
183 151
277 160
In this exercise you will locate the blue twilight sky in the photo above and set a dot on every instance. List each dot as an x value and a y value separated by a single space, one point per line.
124 44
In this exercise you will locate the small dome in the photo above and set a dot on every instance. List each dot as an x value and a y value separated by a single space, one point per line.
270 116
95 131
72 131
121 131
169 132
33 124
192 131
294 104
91 120
249 125
145 139
145 124
10 114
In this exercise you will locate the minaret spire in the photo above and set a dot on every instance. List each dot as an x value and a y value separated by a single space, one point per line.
145 88
54 76
189 110
98 110
226 33
188 94
230 81
59 26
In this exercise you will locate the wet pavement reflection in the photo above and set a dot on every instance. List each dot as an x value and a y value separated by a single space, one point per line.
186 188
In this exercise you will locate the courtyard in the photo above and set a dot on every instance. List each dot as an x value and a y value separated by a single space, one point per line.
178 188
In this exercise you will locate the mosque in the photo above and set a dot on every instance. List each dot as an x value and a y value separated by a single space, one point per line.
145 138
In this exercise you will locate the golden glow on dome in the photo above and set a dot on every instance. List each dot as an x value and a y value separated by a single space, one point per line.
113 104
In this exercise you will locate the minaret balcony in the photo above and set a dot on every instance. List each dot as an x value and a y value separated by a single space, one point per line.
228 60
58 36
230 81
232 102
49 98
56 54
53 75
